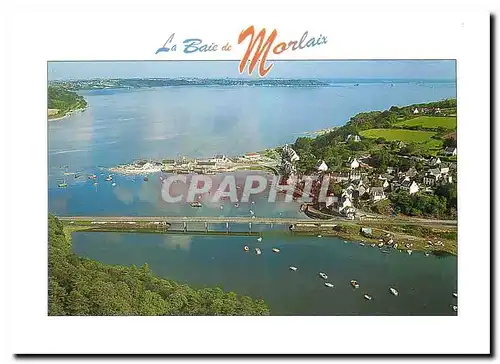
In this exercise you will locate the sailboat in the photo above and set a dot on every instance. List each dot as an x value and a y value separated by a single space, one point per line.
63 184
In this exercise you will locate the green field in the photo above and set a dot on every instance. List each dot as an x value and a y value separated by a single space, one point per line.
430 122
407 136
423 138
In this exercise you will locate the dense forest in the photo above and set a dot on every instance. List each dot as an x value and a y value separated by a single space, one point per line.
79 286
63 100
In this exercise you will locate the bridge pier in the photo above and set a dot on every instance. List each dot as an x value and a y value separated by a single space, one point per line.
206 227
185 227
272 225
250 226
227 227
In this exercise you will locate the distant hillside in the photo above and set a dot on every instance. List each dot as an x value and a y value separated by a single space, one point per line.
60 101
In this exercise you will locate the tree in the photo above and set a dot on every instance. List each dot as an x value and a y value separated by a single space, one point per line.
79 286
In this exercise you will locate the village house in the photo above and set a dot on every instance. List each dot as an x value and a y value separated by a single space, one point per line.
321 166
415 111
219 158
444 168
411 172
450 151
354 175
355 138
339 176
353 163
397 182
252 156
435 161
410 186
432 177
377 193
206 165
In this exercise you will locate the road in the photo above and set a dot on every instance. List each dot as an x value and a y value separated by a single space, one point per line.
254 220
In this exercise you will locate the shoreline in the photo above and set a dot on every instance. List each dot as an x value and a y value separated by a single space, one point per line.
382 237
68 114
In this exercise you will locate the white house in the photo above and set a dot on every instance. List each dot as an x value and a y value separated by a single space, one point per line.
377 193
415 111
435 161
353 163
411 187
252 156
321 166
219 158
355 138
450 151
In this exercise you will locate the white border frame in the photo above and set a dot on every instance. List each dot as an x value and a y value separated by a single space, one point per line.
109 35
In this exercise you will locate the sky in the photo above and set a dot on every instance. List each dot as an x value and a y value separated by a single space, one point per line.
413 69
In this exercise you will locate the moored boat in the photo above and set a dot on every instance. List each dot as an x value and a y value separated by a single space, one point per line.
146 178
323 275
393 291
293 268
328 284
196 204
355 283
113 184
257 251
62 185
246 248
409 251
455 295
259 239
454 307
320 236
367 297
276 250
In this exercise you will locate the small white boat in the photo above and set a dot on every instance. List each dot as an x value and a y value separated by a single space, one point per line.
323 275
320 236
328 284
355 283
259 239
393 291
257 251
455 308
373 245
426 254
345 242
222 207
381 245
396 246
113 184
367 297
409 252
236 205
362 244
251 212
246 248
455 295
293 268
276 250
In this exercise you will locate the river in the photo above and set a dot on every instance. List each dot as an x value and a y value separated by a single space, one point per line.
120 126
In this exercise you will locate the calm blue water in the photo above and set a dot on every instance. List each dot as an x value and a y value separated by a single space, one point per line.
425 284
120 126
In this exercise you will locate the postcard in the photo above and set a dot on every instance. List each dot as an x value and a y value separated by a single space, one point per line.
265 169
